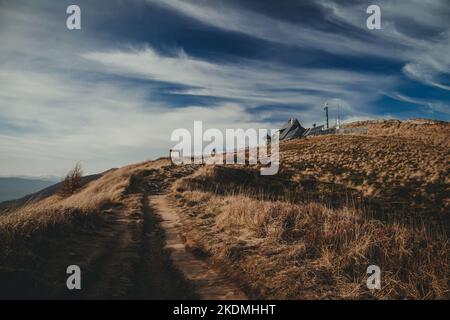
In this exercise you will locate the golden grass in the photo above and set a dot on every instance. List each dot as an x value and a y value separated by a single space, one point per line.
338 204
390 170
87 203
308 251
305 233
425 131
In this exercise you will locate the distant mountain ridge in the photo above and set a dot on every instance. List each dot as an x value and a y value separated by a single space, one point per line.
49 189
16 187
51 178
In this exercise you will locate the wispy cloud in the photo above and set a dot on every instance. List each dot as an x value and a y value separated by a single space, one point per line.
62 120
249 80
224 16
431 105
426 57
429 68
55 111
68 96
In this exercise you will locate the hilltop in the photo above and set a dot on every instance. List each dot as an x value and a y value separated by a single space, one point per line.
339 203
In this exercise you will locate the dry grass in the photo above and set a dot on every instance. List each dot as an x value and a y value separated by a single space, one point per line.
105 227
309 251
431 132
395 172
85 206
339 204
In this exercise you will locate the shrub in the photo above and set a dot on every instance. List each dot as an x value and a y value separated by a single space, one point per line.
72 182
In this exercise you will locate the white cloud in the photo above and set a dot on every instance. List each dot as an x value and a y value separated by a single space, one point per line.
263 27
53 114
431 66
58 119
420 54
431 106
249 80
63 120
426 59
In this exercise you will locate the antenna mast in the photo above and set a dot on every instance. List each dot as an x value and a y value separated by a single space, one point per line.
326 113
338 117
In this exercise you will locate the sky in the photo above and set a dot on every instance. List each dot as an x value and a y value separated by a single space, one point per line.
112 93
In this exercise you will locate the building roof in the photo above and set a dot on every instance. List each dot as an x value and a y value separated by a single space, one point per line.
313 131
290 130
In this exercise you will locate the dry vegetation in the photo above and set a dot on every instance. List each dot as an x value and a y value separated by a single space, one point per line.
430 132
396 173
282 250
72 182
339 204
38 231
59 210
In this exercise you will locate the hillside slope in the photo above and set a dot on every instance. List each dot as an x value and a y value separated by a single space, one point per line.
106 228
47 190
338 204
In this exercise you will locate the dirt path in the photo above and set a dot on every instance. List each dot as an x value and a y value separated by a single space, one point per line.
131 251
138 253
156 276
127 258
207 281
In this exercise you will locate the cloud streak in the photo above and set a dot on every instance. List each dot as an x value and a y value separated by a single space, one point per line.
59 120
425 59
87 96
248 80
256 25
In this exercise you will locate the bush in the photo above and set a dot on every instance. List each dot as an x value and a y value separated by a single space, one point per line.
72 182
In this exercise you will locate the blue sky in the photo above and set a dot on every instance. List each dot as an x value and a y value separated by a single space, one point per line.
111 93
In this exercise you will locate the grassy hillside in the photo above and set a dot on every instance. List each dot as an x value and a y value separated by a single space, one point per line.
339 204
101 228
